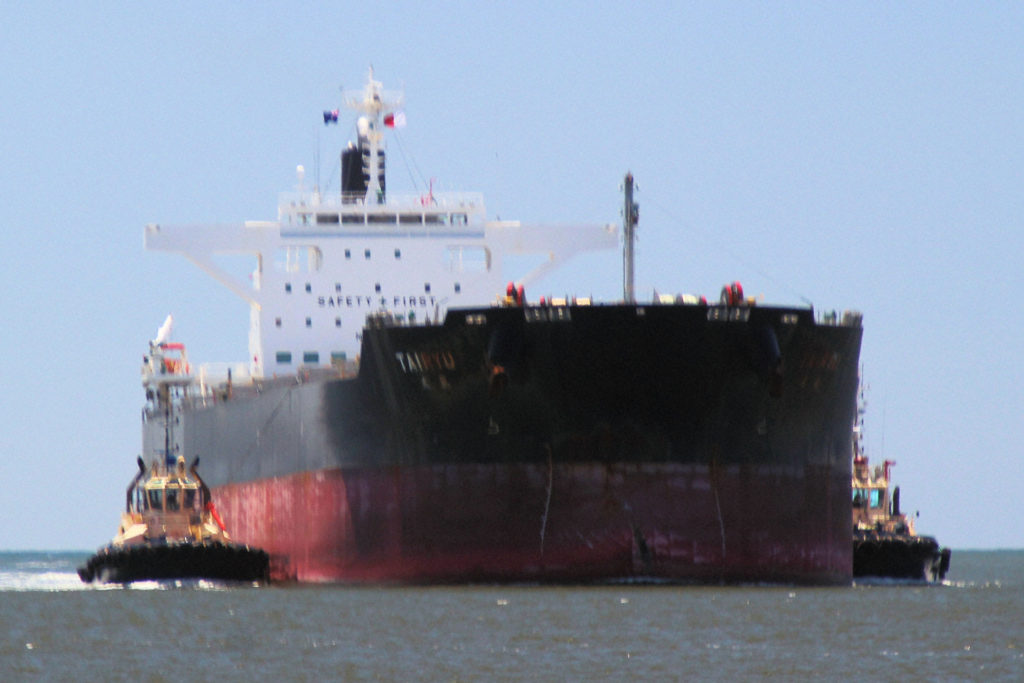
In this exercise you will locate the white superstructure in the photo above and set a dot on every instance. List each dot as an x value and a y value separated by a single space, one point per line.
329 260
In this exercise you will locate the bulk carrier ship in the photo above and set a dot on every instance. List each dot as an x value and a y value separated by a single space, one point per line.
392 424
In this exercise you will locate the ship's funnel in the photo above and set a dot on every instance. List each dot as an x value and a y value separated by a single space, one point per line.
353 185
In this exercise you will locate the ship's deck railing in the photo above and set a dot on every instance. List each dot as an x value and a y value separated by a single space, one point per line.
215 374
210 385
847 319
470 202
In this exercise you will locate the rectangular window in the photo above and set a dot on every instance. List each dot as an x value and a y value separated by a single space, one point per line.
381 219
348 253
339 356
310 357
288 287
353 219
277 322
284 357
398 253
366 253
337 322
309 322
410 218
327 218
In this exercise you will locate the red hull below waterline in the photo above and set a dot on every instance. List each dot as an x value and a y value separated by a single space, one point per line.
549 523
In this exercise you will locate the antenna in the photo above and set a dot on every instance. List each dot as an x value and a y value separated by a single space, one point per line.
630 214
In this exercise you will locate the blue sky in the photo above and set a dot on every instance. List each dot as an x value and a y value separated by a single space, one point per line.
856 155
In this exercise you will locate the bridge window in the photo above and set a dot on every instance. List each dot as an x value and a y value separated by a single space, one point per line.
310 357
155 499
284 357
410 218
353 219
327 218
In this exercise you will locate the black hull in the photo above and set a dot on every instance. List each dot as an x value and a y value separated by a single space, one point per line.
605 384
210 561
899 556
723 399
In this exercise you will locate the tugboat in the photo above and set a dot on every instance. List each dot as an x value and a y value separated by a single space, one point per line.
885 544
170 528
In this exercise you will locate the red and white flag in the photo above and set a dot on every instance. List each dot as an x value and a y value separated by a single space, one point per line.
395 119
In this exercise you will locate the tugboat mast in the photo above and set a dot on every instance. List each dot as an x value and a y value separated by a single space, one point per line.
630 214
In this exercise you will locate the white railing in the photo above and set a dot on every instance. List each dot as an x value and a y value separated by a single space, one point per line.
214 374
471 202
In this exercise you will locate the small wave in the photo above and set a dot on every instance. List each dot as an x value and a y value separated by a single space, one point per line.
183 584
40 581
54 581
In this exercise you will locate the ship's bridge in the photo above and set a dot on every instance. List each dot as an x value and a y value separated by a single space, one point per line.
331 259
429 212
314 283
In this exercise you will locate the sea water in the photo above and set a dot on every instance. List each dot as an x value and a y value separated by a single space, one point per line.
55 628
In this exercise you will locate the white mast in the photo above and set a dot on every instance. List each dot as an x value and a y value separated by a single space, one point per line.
372 103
